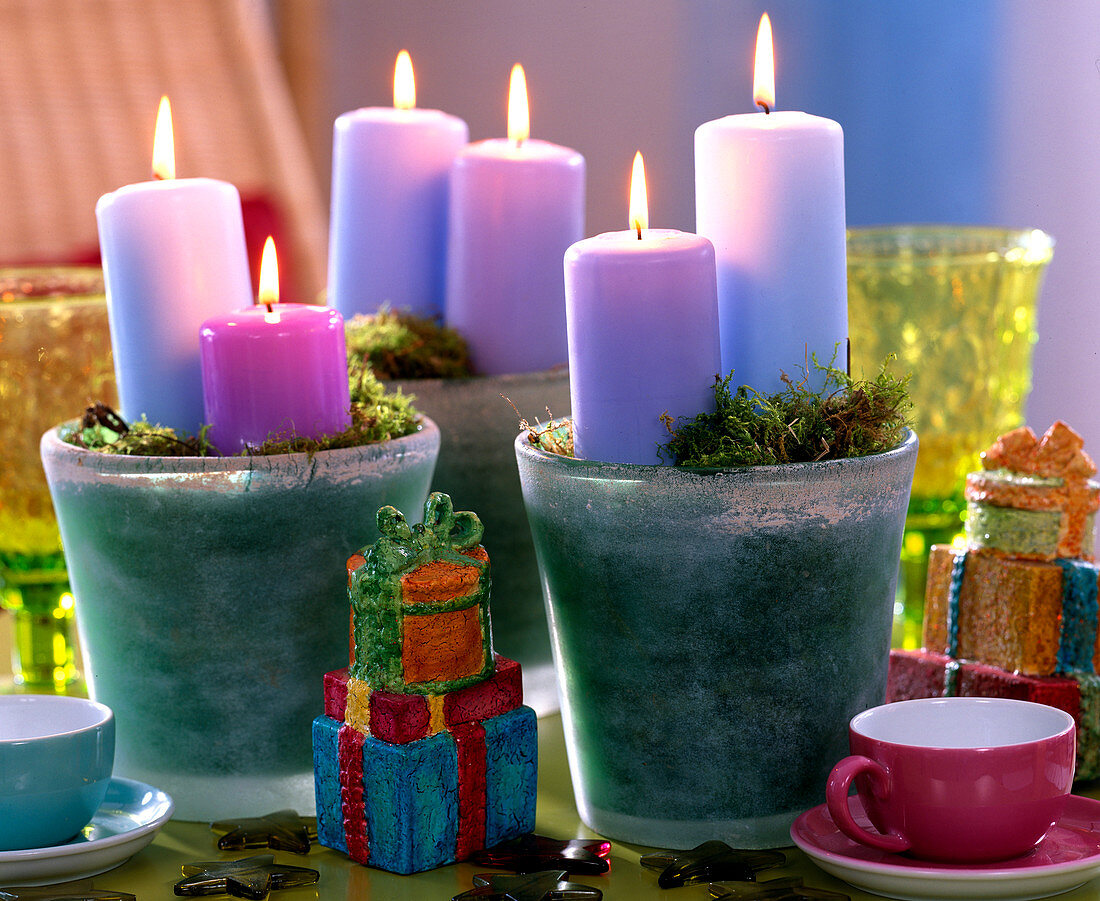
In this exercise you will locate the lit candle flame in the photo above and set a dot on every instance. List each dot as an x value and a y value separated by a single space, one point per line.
763 80
164 150
639 202
269 275
404 82
519 117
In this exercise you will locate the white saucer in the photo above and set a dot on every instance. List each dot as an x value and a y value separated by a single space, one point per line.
126 822
1067 857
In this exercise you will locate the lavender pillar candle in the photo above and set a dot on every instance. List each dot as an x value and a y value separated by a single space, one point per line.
390 170
173 255
643 337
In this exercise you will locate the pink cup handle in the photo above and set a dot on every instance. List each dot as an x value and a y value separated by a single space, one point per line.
836 798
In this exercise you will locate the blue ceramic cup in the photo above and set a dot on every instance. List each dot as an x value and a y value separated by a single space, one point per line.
56 755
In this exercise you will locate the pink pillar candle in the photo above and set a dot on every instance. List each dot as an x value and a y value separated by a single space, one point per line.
267 374
515 207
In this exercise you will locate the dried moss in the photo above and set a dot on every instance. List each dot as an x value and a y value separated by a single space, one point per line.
846 418
404 346
102 429
376 415
553 436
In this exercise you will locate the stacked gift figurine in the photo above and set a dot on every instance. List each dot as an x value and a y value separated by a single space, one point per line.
1014 615
425 754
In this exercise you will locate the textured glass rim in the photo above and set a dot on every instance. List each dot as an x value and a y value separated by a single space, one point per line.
645 471
75 283
975 244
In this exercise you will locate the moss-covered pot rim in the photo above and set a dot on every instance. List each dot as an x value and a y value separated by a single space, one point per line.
425 438
553 374
599 469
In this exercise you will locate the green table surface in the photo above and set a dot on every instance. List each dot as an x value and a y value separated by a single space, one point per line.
151 873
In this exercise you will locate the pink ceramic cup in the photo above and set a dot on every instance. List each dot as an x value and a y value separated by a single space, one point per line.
963 780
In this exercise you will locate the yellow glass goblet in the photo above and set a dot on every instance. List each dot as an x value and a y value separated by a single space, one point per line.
55 358
956 305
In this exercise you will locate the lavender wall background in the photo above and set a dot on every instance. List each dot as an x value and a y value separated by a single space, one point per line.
983 111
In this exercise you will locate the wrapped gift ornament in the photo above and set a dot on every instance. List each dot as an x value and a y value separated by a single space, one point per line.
1022 595
420 598
1014 613
425 753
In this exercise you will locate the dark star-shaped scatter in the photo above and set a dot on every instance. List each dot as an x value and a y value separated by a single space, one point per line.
710 862
549 885
249 877
789 889
67 891
282 830
530 853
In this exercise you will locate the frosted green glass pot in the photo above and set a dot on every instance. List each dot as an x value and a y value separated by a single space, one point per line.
713 633
956 304
211 600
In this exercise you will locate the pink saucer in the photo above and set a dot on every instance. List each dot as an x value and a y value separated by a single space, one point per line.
1068 856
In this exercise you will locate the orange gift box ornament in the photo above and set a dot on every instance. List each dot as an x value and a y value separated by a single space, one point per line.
1034 498
420 603
1023 595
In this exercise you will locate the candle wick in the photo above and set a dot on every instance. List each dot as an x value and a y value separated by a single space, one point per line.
767 109
268 305
159 176
638 225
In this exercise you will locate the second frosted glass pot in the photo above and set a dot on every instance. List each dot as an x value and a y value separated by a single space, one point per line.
714 631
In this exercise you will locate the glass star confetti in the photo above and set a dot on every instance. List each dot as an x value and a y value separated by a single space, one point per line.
789 889
282 830
548 885
249 877
711 861
530 853
67 891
